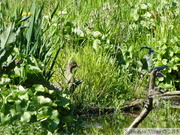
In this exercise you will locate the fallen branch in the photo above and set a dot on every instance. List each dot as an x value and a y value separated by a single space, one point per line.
147 108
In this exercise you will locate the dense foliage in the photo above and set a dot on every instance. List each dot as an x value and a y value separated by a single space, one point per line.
27 58
106 39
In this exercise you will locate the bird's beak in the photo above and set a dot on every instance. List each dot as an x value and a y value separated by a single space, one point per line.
77 67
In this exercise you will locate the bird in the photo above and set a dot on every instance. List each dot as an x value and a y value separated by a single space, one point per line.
69 76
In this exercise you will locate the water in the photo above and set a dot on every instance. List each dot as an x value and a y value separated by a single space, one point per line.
116 123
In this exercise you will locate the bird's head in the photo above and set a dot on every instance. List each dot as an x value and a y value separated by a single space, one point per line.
73 64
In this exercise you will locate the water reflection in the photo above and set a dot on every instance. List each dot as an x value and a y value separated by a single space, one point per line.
166 117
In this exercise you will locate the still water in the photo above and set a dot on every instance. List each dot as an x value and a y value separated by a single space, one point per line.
166 117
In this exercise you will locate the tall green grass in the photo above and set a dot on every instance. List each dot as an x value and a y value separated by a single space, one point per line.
118 29
105 83
104 37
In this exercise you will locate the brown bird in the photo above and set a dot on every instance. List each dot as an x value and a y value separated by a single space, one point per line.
70 80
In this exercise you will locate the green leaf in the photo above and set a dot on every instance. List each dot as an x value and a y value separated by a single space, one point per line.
21 28
4 80
143 6
23 73
5 118
96 34
13 112
55 117
44 113
68 119
63 101
18 105
54 11
147 14
16 72
166 86
24 18
96 44
33 69
29 33
42 100
26 117
6 46
135 15
164 61
48 117
39 88
24 96
7 37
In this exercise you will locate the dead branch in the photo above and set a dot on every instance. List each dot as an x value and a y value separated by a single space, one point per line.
147 108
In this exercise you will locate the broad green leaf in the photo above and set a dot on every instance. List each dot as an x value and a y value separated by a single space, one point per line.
17 72
4 81
166 86
7 37
42 100
49 118
18 105
171 53
63 101
26 117
44 113
13 112
164 61
21 88
55 117
24 96
175 67
39 88
33 69
176 49
68 119
35 62
5 118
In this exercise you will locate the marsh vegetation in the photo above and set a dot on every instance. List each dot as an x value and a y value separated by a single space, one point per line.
39 38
